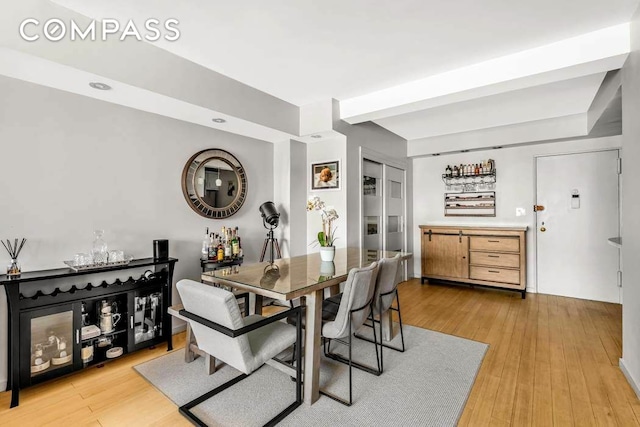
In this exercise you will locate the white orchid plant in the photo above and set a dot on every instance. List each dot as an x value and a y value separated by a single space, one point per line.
326 237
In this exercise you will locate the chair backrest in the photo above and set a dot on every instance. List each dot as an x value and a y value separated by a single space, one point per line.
358 291
221 307
388 279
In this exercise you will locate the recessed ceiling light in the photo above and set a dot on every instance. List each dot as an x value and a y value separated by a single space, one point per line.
218 120
100 86
497 147
316 136
464 151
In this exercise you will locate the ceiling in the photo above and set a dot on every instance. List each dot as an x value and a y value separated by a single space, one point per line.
443 75
306 51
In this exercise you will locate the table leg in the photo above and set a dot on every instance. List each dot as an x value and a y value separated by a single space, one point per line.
388 331
189 354
334 290
258 304
313 328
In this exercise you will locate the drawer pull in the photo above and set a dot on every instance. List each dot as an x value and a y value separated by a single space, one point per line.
494 271
494 241
493 256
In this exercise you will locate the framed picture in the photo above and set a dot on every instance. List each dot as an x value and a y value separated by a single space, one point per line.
325 175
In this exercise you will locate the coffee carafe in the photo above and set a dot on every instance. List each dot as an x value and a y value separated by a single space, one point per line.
108 317
108 322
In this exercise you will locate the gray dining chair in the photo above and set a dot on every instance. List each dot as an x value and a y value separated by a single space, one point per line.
354 309
386 293
242 343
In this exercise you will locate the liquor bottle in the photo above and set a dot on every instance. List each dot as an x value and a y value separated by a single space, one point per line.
213 248
477 170
240 253
235 244
220 252
204 255
227 246
448 171
455 171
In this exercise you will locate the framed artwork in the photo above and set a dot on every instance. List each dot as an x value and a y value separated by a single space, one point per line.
325 175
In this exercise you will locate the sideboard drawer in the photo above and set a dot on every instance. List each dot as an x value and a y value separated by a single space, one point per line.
506 244
495 274
495 259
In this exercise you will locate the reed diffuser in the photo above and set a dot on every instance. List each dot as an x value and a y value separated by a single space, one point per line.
13 269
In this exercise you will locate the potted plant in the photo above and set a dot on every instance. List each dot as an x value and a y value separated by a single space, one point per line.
326 237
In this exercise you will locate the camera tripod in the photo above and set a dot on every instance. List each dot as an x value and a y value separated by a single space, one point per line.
273 245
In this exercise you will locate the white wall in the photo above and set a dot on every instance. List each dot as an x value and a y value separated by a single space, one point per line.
71 164
321 151
630 362
515 187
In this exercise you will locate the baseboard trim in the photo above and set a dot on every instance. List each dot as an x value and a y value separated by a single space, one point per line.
179 328
3 385
632 382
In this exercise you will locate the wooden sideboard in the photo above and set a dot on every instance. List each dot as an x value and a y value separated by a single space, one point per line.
485 256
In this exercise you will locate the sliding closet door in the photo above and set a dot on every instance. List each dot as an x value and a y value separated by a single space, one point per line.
394 194
372 197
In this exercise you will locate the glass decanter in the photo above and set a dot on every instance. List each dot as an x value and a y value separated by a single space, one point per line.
99 250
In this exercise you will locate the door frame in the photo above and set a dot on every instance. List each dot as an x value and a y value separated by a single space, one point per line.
534 226
375 156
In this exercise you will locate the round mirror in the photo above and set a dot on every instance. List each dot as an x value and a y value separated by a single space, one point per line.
214 183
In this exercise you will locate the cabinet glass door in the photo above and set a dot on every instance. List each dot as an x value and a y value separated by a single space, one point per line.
146 316
51 348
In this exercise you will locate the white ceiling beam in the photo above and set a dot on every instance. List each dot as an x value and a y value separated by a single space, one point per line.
603 98
590 53
541 130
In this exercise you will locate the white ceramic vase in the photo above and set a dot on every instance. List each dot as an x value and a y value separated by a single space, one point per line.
327 253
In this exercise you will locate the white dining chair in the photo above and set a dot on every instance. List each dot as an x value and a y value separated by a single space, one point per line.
242 343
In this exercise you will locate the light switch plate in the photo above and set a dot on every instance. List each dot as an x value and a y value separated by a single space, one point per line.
520 212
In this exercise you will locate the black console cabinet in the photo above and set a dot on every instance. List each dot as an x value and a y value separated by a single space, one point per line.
47 325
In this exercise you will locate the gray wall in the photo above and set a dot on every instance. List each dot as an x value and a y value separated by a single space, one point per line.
631 208
73 164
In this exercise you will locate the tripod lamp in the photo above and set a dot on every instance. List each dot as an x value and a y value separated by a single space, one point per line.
270 220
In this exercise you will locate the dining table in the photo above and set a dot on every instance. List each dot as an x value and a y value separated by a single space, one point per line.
307 276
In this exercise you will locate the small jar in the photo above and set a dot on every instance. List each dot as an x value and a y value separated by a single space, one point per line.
13 269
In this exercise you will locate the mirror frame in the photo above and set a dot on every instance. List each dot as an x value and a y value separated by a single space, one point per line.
195 202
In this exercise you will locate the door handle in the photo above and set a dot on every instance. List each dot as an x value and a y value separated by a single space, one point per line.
543 228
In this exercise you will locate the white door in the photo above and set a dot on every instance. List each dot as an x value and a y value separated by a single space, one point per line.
580 196
394 209
372 205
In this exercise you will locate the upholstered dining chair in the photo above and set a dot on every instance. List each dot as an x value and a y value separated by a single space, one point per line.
354 309
243 343
386 292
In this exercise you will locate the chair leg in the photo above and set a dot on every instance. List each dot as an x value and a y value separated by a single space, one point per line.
350 363
185 409
382 344
334 356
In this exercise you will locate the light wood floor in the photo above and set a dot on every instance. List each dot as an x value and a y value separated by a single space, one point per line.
551 361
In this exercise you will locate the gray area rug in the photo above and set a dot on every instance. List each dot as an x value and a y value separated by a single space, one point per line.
427 385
